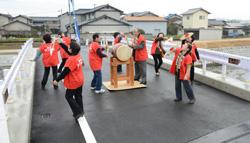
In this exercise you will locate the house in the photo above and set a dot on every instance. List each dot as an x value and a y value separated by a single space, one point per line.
101 19
17 28
196 20
150 24
2 32
233 30
4 19
104 24
46 24
144 13
22 18
171 18
214 23
174 24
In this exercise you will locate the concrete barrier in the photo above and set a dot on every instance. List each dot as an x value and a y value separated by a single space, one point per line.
20 102
229 85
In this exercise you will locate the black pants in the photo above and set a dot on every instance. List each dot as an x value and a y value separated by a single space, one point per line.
46 74
187 87
192 73
158 62
74 98
62 65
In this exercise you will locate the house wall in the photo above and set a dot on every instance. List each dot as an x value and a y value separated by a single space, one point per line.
17 27
151 27
108 12
104 29
22 19
64 20
200 23
194 20
210 34
187 21
4 20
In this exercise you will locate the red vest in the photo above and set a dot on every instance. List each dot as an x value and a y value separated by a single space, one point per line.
66 41
94 60
183 69
75 78
50 55
153 48
141 54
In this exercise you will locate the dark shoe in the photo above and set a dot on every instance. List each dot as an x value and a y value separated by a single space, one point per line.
43 87
136 79
145 83
78 116
192 101
55 87
177 100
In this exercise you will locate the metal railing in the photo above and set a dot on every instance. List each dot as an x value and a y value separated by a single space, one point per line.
207 56
7 86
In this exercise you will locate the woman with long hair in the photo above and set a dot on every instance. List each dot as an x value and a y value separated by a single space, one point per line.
157 51
181 67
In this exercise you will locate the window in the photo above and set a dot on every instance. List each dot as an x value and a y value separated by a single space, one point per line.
83 18
188 17
202 17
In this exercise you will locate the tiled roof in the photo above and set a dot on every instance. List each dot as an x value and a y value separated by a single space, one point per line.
144 18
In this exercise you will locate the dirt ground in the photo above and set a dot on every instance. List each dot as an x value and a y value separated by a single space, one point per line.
224 43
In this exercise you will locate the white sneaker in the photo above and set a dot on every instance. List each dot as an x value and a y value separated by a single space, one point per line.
101 91
92 88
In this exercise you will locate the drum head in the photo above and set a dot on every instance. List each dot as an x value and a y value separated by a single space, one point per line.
123 53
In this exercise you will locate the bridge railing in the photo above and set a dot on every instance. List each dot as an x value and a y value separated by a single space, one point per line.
6 88
206 55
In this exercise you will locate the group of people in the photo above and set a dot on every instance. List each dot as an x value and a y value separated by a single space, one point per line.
70 68
183 63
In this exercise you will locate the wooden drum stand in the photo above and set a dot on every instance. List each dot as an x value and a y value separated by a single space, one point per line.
129 76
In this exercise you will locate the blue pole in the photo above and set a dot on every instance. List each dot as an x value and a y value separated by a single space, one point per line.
77 32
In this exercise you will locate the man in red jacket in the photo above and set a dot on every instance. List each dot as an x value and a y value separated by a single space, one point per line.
73 79
95 60
140 57
49 52
117 40
180 67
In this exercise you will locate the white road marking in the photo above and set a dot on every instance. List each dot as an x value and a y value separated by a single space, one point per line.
87 133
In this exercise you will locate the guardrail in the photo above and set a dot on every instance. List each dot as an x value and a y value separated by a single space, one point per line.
206 55
7 86
225 59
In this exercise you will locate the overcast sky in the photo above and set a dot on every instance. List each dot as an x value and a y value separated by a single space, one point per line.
227 9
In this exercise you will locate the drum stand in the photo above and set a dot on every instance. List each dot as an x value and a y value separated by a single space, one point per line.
129 76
